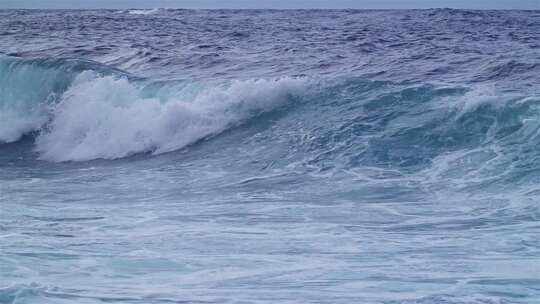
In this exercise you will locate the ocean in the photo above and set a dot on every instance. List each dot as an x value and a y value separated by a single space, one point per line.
269 156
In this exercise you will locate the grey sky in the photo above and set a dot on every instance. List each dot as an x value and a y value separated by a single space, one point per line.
368 4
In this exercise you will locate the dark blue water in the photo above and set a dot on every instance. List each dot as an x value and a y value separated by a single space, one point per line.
179 156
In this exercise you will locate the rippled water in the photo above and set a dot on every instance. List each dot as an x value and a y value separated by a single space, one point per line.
179 156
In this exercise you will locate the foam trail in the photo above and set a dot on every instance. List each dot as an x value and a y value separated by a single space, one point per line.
110 117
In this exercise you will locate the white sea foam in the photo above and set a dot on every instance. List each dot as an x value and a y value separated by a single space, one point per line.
108 117
144 11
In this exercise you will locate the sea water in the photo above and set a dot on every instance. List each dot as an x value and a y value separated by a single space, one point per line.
266 156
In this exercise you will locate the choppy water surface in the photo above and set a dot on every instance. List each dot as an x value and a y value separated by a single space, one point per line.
178 156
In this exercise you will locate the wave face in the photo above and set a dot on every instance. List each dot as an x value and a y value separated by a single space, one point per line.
24 91
28 88
158 156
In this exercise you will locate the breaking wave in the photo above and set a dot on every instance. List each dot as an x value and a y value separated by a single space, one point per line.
83 113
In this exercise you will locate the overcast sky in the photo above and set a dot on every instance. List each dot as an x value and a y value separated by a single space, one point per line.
369 4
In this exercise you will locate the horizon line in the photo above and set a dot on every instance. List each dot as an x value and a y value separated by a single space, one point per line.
275 9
